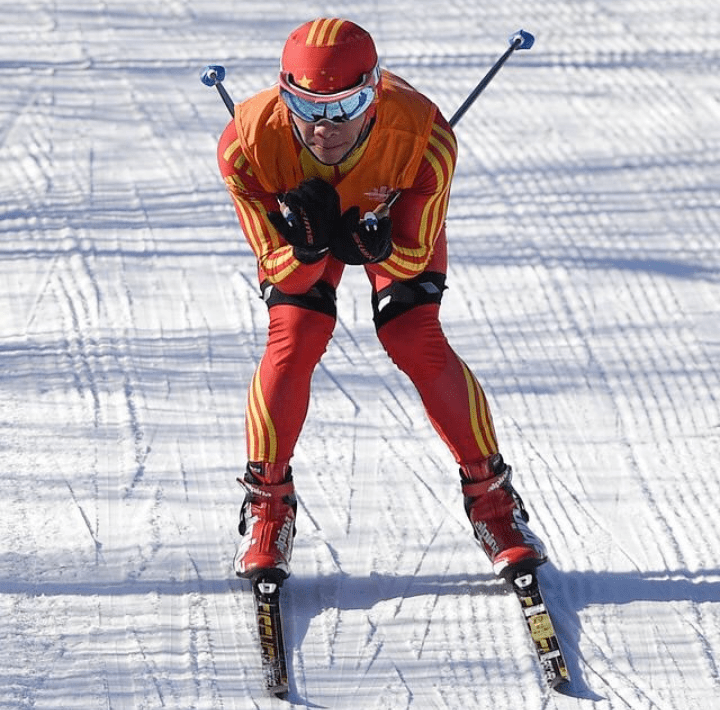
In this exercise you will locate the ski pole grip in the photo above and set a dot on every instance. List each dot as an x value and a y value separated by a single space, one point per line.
212 74
286 212
371 219
522 39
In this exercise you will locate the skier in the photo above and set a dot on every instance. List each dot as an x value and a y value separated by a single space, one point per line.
304 161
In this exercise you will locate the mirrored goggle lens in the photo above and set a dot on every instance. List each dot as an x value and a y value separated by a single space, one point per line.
343 110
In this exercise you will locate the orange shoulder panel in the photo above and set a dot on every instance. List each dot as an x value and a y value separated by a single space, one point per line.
266 138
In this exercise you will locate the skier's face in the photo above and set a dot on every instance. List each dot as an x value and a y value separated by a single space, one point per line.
327 140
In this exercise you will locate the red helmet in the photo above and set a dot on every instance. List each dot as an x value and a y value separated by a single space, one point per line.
328 56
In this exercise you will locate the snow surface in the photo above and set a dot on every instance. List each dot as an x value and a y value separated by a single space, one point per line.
584 292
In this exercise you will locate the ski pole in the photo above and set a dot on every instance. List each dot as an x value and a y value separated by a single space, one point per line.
213 75
519 40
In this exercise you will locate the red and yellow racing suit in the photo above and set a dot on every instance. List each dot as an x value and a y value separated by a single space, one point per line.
410 147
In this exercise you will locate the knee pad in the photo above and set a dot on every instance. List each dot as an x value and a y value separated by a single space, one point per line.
320 298
401 296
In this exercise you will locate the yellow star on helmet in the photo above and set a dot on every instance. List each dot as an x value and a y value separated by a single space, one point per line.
305 82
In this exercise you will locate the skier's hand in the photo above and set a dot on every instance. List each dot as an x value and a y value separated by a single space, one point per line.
362 242
314 214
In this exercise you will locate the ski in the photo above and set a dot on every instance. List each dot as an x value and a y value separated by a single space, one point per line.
266 591
526 587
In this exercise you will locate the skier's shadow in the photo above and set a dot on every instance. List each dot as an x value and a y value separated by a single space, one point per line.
309 596
566 595
564 613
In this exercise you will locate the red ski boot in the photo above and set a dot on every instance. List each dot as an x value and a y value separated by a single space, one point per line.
499 518
267 522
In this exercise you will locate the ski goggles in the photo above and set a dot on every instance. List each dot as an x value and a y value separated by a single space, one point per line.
339 107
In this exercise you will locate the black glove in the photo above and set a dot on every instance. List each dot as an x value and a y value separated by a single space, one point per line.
315 209
363 242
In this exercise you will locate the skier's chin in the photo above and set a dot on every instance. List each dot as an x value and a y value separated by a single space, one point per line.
329 155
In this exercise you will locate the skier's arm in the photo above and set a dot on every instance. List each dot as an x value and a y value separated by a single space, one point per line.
276 258
420 212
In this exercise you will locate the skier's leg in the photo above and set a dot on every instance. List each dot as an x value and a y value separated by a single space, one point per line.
453 398
279 392
408 326
299 330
